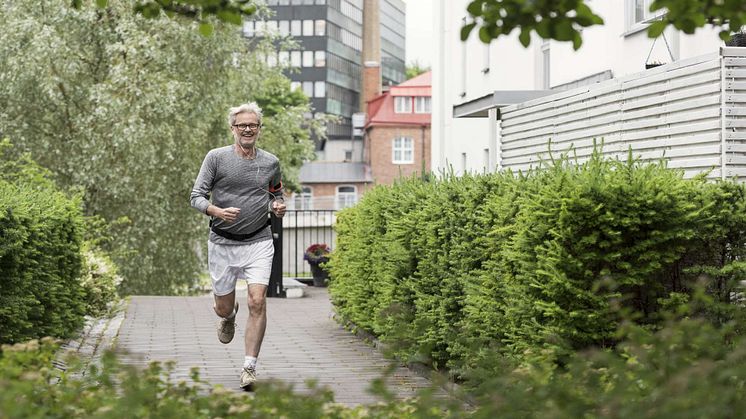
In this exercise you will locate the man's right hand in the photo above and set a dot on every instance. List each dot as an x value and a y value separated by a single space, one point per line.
229 214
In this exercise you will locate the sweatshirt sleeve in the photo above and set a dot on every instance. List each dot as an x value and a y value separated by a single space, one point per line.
200 197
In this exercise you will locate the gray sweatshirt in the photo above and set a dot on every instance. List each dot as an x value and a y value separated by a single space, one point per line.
236 182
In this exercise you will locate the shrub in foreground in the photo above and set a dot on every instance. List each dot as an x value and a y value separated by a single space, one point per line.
456 272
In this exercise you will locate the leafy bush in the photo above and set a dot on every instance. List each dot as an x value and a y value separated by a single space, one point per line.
112 390
99 280
688 368
534 266
50 276
40 258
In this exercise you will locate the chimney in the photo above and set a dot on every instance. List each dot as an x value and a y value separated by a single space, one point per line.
371 86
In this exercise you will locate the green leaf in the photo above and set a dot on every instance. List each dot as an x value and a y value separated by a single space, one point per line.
563 30
525 37
656 28
485 35
76 4
206 28
466 30
230 17
577 41
475 7
102 3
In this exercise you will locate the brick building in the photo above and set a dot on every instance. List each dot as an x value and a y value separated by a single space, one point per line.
397 133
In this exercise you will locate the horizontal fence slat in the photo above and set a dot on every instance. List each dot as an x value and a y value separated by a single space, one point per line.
735 98
735 111
735 73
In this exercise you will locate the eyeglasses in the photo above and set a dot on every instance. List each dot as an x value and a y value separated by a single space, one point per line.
244 127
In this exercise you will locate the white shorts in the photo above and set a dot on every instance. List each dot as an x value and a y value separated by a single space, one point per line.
227 264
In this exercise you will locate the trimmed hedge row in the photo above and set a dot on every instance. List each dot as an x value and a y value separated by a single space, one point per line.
460 272
40 256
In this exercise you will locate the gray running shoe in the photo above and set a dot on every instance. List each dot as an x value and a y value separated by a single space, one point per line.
227 328
248 377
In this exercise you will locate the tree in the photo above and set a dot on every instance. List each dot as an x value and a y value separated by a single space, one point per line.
414 69
124 109
230 11
561 19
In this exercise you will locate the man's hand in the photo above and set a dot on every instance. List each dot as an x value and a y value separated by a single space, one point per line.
279 207
229 215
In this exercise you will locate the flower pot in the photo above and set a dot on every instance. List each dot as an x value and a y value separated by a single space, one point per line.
320 276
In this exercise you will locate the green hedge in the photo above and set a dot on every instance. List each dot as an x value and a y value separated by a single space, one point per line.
40 256
456 272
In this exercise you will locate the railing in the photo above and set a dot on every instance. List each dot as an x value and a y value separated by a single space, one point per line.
300 229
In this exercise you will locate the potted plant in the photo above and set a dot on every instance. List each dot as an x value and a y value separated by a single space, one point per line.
316 254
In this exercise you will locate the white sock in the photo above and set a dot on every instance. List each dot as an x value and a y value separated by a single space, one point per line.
233 313
249 361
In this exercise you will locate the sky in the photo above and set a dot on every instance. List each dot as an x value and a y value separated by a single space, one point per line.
420 46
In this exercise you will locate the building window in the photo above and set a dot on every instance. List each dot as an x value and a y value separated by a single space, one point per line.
346 196
272 59
308 88
284 58
319 58
270 27
304 199
319 89
307 58
284 26
403 150
308 28
639 14
295 58
422 104
403 104
248 29
295 28
320 27
295 85
259 27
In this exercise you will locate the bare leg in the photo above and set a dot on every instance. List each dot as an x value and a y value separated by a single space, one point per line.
257 321
224 304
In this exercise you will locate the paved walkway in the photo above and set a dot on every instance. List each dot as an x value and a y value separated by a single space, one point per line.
302 342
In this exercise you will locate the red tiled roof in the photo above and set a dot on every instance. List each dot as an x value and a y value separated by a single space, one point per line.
416 86
381 108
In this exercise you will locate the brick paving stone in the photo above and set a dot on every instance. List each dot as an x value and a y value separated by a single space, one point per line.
302 342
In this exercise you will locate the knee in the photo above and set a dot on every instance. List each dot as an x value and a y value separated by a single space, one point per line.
257 305
223 308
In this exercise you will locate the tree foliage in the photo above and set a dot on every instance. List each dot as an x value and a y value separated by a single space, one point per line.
414 69
125 108
562 20
230 11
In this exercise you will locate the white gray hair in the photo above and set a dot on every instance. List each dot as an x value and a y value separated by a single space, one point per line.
250 107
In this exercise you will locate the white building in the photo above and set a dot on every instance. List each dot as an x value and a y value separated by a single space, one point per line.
481 84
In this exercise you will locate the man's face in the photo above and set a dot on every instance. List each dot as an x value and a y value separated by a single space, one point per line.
246 129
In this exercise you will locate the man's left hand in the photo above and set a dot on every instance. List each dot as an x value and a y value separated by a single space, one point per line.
278 208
